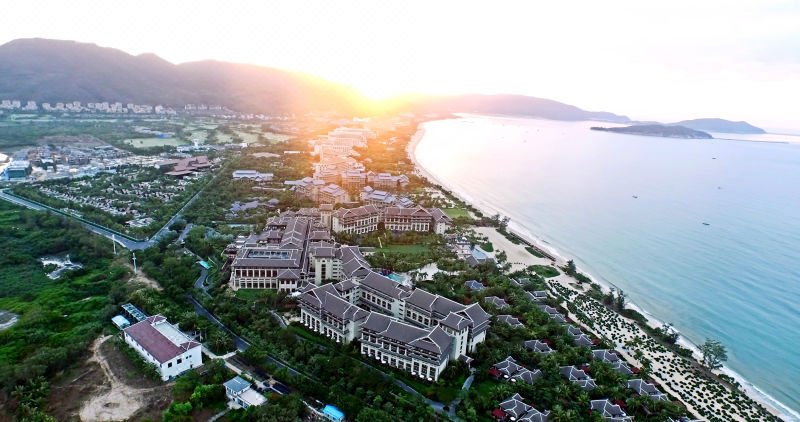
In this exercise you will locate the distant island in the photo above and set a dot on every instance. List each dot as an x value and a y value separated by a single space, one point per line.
657 130
720 125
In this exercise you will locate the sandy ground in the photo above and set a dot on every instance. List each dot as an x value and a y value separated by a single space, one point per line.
676 375
116 400
140 277
518 257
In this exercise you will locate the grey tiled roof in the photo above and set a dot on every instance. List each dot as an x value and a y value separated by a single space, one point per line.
510 320
605 355
538 346
454 321
237 384
497 302
514 406
609 410
385 286
474 285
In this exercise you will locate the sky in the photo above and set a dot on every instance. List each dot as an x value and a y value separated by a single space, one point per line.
666 61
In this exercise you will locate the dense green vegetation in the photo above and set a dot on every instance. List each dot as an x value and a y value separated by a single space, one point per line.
58 318
111 186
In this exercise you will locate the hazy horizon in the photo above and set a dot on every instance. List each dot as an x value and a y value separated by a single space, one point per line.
664 62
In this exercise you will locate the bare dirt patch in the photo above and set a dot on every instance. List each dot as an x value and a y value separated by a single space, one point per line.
140 277
120 393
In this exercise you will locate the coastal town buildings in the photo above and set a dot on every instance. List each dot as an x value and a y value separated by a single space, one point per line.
163 345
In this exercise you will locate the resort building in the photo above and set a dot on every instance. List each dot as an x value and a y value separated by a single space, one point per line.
365 219
354 180
278 257
332 194
241 395
164 345
387 181
410 329
359 220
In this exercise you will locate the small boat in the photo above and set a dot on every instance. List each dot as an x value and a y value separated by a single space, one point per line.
635 197
706 224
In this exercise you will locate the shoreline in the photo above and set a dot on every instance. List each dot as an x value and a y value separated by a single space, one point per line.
752 391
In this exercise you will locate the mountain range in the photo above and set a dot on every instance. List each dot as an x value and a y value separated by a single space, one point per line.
47 70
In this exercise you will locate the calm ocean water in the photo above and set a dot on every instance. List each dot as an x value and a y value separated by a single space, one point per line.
736 279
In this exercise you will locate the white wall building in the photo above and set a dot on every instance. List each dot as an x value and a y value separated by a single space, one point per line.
164 345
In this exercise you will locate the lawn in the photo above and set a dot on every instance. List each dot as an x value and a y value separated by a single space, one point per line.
153 142
546 271
406 249
456 212
251 295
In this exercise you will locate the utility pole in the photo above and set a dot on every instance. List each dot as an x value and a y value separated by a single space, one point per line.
134 262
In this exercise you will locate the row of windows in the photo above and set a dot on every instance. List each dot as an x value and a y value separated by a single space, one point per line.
417 317
376 300
417 368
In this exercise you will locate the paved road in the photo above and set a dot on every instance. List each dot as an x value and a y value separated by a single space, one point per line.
95 228
130 244
240 343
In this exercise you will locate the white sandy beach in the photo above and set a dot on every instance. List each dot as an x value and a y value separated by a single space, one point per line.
675 374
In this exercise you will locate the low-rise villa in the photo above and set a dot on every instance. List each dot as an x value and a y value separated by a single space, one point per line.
578 376
515 409
511 321
497 302
510 370
644 388
474 285
537 346
610 411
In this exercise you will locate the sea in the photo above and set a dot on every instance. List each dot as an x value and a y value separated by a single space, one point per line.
702 234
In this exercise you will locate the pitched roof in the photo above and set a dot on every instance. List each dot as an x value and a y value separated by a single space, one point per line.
513 322
385 285
158 345
454 321
497 302
514 406
237 384
474 285
538 346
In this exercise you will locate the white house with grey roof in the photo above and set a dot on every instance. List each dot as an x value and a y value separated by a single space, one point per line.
241 395
164 345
